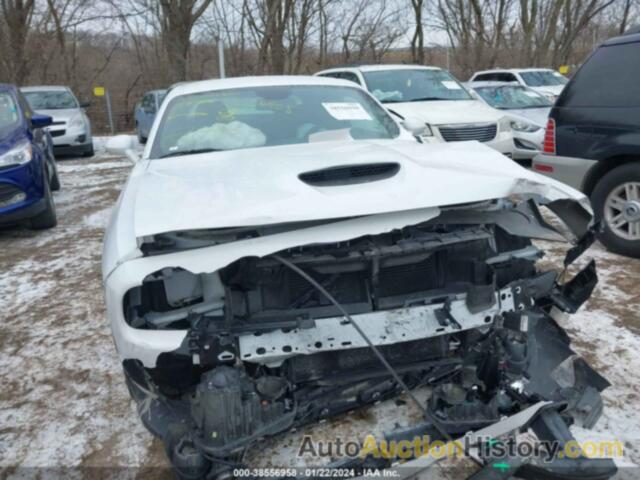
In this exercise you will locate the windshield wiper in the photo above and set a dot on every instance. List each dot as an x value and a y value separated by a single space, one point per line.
193 151
426 99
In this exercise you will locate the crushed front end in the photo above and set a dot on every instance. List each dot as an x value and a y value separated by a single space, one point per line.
455 302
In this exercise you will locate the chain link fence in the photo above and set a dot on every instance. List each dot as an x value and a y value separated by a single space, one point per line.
123 119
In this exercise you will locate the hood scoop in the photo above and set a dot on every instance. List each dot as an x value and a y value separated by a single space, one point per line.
350 174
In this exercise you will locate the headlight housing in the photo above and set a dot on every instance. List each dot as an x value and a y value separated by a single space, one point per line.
427 131
18 155
520 126
77 121
504 124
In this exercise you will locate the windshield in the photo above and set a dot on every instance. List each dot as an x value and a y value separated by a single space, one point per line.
51 100
268 116
543 78
8 111
510 97
417 85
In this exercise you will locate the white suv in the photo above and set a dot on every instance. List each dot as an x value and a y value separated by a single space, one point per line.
435 97
543 80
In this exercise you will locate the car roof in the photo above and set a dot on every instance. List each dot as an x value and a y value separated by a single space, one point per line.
376 68
514 70
44 88
626 38
256 81
492 83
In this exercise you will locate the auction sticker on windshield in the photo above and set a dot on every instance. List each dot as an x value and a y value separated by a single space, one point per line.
450 85
346 110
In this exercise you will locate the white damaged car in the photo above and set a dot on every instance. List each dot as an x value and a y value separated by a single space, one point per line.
284 252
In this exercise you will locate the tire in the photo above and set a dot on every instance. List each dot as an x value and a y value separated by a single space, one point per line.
55 181
89 152
620 183
47 218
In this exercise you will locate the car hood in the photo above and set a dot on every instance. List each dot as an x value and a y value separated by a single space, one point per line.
447 112
251 187
60 115
537 116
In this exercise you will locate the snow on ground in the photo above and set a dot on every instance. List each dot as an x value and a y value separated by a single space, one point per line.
63 402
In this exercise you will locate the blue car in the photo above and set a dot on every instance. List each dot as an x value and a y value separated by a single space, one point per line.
28 171
145 112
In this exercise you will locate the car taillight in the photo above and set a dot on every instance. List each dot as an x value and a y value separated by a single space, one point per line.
549 145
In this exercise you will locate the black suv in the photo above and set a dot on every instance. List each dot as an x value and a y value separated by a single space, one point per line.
592 141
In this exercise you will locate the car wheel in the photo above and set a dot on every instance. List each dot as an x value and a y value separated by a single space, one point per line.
46 218
616 201
55 180
89 152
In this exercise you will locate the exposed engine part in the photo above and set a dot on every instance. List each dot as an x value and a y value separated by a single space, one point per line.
455 306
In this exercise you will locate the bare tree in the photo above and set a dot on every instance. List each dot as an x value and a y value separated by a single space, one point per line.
368 29
14 32
299 30
268 29
173 20
417 40
476 29
177 18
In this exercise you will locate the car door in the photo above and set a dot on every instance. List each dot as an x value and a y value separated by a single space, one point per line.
41 138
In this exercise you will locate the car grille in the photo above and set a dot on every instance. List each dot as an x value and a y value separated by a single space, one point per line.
459 133
10 194
57 133
59 122
7 191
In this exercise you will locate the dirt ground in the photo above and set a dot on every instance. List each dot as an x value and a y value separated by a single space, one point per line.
63 402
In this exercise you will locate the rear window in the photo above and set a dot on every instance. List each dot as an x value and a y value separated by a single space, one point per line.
608 79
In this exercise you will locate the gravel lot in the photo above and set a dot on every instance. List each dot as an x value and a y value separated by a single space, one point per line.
63 402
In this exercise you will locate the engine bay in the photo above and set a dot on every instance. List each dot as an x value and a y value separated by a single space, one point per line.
454 304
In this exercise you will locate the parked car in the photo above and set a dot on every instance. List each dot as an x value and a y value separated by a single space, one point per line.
145 111
28 171
546 81
592 140
283 252
71 128
433 95
527 109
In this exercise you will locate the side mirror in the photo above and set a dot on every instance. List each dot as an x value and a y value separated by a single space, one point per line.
85 104
123 145
40 121
416 126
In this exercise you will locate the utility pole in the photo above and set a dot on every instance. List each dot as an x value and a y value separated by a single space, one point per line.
221 57
108 99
